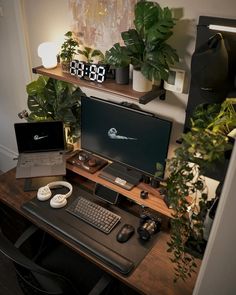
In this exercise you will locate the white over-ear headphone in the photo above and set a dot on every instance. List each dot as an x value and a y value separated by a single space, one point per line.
44 193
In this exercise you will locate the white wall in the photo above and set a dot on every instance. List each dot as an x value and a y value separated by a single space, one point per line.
23 26
21 31
46 20
217 275
14 74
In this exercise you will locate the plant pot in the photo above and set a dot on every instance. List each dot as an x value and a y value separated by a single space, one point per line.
65 66
122 75
140 83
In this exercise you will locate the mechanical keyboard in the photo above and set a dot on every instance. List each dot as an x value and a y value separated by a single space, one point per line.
94 214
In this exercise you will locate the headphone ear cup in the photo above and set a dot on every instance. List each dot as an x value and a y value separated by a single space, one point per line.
44 193
58 201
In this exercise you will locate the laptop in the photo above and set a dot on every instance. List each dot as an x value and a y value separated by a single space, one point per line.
41 147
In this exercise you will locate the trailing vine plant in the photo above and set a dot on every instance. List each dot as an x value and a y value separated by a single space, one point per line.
203 147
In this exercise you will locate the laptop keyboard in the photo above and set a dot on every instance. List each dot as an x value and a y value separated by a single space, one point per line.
28 160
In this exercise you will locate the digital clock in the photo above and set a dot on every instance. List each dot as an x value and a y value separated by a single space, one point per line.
94 72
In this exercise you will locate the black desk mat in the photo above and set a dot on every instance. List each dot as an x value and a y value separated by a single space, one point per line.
107 249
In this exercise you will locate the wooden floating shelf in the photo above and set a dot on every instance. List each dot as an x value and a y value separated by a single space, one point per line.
108 86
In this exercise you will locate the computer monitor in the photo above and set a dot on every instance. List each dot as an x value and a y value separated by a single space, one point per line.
132 137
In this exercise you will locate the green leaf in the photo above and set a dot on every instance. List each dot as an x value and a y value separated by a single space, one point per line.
89 53
96 52
204 146
146 14
53 99
134 43
37 86
117 56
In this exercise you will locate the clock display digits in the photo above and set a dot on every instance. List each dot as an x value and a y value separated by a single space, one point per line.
101 71
80 71
74 67
93 72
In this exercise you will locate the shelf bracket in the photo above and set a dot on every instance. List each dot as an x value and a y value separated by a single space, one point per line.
156 92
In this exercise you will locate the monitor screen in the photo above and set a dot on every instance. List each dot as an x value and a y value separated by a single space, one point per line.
122 134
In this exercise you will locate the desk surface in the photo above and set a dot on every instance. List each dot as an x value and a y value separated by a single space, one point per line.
154 275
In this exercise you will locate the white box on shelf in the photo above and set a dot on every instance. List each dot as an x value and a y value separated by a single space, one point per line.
175 80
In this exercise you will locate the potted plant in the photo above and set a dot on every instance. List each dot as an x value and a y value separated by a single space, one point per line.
203 149
68 50
145 46
51 99
90 53
118 58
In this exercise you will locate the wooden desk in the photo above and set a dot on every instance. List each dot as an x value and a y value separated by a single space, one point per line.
153 276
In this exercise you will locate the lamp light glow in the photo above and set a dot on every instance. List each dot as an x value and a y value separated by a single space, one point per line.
222 28
48 53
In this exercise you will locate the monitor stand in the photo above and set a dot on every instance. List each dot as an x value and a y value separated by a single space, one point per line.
121 175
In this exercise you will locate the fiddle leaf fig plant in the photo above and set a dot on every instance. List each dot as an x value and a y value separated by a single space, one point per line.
52 99
204 146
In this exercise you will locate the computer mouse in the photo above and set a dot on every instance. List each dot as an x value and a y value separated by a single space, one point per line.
125 233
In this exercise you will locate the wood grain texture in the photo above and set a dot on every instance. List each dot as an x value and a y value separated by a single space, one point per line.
109 86
154 275
154 200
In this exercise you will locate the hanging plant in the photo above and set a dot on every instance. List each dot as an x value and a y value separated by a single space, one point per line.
203 147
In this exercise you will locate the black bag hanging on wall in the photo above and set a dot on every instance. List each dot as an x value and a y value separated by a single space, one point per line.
210 69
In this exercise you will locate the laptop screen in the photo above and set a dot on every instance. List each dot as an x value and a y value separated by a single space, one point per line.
40 136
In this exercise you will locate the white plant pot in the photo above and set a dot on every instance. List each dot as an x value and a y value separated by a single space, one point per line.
140 83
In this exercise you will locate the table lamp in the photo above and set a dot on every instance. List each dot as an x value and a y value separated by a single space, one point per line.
48 53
